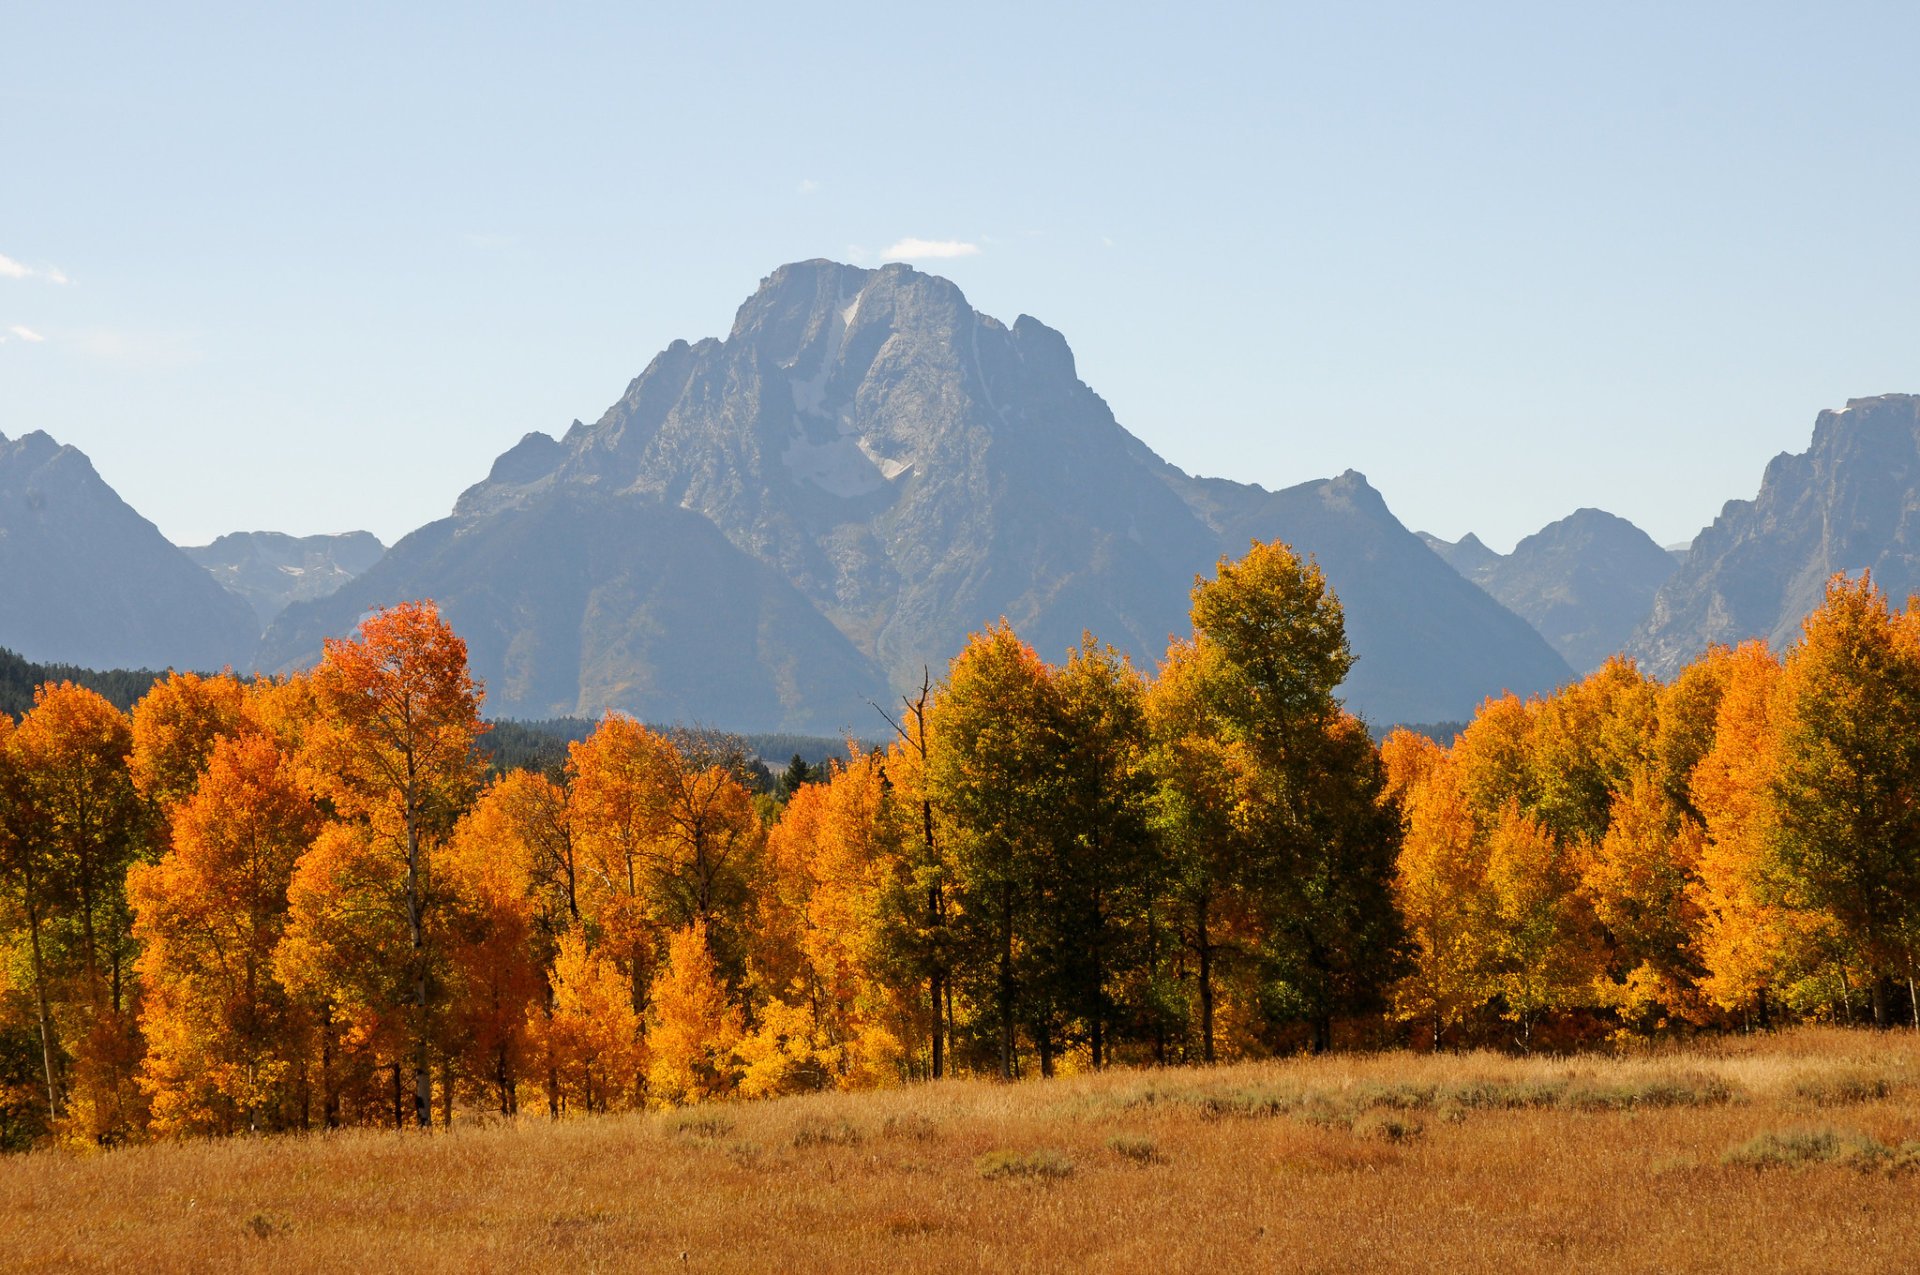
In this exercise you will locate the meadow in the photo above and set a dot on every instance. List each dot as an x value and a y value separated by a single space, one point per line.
1791 1152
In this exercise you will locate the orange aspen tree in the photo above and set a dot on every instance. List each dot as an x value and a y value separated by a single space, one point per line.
820 948
226 1049
174 728
396 717
490 918
1748 939
342 956
616 797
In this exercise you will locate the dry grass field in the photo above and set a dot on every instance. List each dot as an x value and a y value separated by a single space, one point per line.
1795 1152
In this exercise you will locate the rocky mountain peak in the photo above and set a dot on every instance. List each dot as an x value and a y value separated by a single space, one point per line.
100 585
1850 501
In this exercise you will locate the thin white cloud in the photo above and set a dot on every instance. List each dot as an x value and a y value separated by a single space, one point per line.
931 250
808 187
11 269
25 333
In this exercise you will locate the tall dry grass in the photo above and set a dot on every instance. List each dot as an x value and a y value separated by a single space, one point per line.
1784 1153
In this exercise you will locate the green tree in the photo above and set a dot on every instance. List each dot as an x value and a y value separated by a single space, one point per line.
1846 793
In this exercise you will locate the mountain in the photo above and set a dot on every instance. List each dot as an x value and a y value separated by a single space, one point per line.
1429 644
1467 555
270 569
865 470
1851 502
88 581
1584 583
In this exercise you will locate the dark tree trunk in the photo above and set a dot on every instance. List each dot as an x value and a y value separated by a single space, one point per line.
1006 981
1203 947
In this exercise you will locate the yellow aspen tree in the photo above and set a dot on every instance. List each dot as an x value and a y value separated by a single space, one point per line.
591 1036
1440 887
692 1026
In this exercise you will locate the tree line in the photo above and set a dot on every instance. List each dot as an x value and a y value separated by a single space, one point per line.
303 902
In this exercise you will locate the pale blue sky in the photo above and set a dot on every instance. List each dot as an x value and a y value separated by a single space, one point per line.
322 263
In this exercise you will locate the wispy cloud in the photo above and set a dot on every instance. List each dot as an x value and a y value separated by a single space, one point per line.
11 269
807 187
930 250
24 333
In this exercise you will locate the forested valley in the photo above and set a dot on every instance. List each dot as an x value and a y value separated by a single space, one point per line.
303 902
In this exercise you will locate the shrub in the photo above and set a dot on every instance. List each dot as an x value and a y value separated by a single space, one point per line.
1042 1165
1140 1150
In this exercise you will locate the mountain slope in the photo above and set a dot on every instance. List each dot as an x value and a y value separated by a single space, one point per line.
1428 643
1584 583
1850 502
270 569
914 470
88 581
578 602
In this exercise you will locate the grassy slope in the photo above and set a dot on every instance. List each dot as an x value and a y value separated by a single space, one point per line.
1390 1163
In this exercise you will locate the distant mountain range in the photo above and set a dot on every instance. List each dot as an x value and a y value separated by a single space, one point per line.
771 529
1583 582
270 569
768 531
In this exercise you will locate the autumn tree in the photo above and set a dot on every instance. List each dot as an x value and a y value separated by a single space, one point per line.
72 752
841 1006
1748 939
1197 770
1546 953
342 956
175 726
29 873
992 768
226 1047
692 1026
1846 791
616 811
1320 839
392 745
1440 886
590 1034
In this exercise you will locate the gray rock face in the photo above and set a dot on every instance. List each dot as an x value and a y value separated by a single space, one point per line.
85 580
882 457
1851 502
1584 583
270 569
